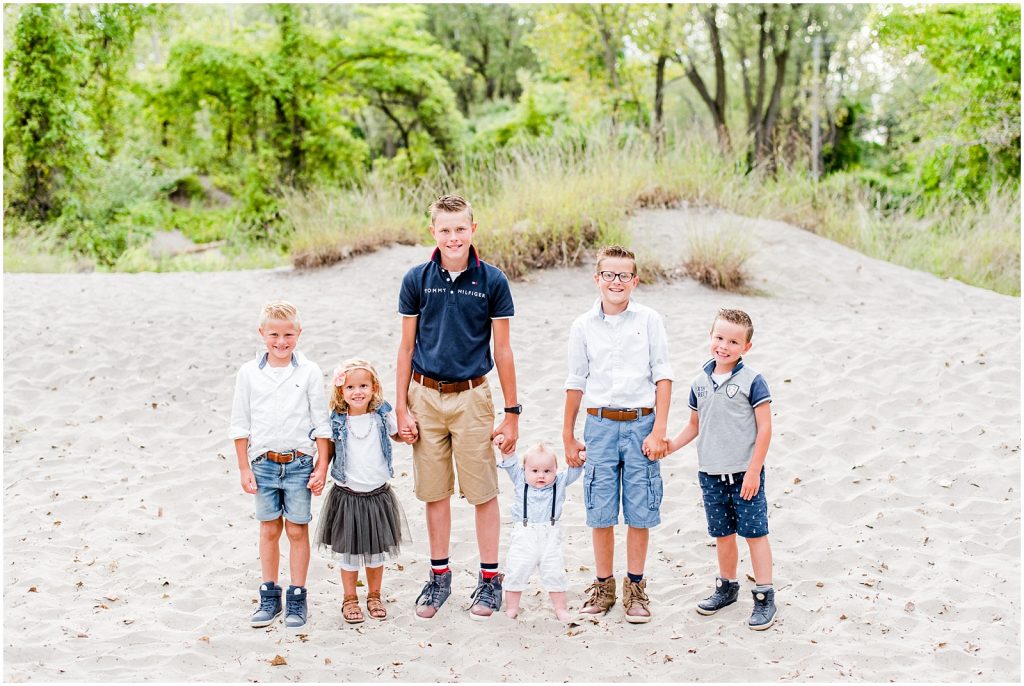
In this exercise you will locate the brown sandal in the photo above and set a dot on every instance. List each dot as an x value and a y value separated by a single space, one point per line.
350 610
374 606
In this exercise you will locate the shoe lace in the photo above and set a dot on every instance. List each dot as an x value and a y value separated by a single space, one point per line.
597 591
638 596
293 606
761 607
484 593
268 603
430 591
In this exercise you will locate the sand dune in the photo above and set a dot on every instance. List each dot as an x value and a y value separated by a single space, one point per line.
894 480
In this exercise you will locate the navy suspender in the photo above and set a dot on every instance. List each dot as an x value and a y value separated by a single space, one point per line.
554 500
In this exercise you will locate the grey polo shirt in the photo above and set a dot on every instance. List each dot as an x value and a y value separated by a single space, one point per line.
726 415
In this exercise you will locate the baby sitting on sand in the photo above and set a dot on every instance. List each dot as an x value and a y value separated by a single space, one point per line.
536 537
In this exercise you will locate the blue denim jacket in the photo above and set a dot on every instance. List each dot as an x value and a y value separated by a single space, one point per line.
339 431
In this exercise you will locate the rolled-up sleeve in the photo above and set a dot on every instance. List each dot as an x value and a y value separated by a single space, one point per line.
241 419
318 414
579 364
661 368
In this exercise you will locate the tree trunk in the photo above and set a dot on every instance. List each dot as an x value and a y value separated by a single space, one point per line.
659 102
765 150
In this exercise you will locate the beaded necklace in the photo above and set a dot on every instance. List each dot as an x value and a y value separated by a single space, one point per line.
352 429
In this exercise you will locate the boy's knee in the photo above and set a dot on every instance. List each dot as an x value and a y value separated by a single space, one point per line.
296 532
271 529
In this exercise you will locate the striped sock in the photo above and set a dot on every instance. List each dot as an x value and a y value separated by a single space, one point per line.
439 566
488 570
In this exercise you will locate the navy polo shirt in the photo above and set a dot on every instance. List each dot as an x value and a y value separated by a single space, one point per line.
453 335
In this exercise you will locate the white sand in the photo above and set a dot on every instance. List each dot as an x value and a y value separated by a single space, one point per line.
893 478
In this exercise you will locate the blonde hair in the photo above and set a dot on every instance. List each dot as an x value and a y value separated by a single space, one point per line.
540 449
735 317
338 403
280 309
449 203
615 251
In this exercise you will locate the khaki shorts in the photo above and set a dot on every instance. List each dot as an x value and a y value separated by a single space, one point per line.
459 426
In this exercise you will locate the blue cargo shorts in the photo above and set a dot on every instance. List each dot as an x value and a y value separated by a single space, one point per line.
616 464
727 512
281 489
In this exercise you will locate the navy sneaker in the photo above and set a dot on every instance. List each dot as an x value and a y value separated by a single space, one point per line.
296 612
433 595
726 593
763 615
270 605
487 597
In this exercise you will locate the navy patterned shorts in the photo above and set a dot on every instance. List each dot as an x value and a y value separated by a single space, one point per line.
727 512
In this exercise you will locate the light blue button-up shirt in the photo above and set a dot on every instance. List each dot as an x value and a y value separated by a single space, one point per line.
538 500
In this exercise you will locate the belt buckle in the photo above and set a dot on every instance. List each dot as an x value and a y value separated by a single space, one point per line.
442 384
291 456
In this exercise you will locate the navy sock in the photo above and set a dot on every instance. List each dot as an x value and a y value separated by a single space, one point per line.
635 578
602 580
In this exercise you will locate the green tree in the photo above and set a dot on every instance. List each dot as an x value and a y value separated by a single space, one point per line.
401 72
490 40
44 129
108 33
972 107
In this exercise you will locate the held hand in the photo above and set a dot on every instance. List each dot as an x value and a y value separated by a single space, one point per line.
499 441
407 430
248 480
509 431
751 485
316 482
655 447
575 452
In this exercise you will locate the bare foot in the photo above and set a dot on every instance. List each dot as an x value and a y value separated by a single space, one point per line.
512 612
562 614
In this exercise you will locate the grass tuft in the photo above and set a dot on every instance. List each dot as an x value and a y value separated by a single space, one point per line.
716 259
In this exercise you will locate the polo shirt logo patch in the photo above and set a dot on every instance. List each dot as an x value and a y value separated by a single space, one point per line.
731 390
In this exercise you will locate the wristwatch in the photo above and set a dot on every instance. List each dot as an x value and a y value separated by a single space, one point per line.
515 409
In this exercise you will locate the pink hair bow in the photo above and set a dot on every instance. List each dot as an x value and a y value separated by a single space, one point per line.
339 376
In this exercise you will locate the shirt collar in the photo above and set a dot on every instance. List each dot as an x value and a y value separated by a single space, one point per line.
474 259
709 368
599 313
263 360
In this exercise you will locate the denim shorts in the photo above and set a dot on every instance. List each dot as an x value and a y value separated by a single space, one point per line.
616 464
727 512
282 490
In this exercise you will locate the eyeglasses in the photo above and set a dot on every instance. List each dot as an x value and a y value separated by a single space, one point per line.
624 277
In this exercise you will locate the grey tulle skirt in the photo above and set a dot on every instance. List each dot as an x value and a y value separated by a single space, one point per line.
361 528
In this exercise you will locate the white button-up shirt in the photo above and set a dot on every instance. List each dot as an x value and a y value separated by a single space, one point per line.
616 362
280 410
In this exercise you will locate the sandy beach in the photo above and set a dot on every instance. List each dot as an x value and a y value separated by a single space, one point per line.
130 551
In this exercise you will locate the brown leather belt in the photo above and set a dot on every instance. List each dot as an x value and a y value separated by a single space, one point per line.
283 458
448 386
620 415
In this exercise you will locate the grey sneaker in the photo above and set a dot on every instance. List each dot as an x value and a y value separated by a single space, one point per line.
433 595
726 593
487 597
270 605
763 615
295 607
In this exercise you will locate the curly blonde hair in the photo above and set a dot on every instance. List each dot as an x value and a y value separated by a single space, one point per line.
338 403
